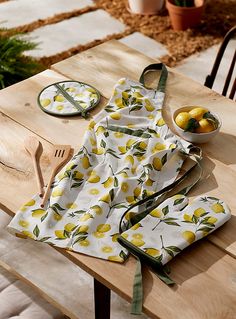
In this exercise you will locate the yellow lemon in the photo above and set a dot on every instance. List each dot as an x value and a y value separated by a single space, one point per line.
71 205
157 164
97 209
137 242
103 228
106 198
57 193
125 95
78 175
129 215
148 106
107 249
28 234
151 116
71 89
115 116
118 134
130 159
125 235
85 162
84 243
108 182
69 227
115 258
137 95
114 237
119 103
212 220
91 125
152 252
136 226
197 113
121 81
130 142
59 234
189 236
182 119
100 130
130 125
156 213
140 158
172 146
124 187
38 213
149 182
137 236
98 234
158 147
199 212
23 223
204 126
94 191
91 90
45 102
137 191
30 203
187 218
93 179
85 217
57 217
133 169
93 141
130 199
122 149
59 98
83 229
218 208
161 122
60 107
114 93
143 145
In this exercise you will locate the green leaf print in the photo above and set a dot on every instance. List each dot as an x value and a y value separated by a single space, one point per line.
164 159
76 185
165 210
36 231
56 207
128 131
112 153
178 201
44 216
135 108
44 239
80 238
103 144
109 109
116 182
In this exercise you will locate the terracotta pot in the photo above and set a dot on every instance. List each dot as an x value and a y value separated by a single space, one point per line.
145 6
183 18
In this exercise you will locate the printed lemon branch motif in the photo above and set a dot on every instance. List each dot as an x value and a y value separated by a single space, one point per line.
79 234
162 215
170 250
76 213
56 208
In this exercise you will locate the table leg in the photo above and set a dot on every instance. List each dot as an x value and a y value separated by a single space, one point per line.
102 300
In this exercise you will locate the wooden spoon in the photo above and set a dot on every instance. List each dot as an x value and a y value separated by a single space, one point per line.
32 146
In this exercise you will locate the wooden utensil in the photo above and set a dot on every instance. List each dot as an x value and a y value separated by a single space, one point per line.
61 154
32 146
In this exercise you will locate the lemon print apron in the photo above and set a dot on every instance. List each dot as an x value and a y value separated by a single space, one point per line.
128 154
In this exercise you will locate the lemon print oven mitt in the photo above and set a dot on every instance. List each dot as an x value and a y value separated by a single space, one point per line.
169 228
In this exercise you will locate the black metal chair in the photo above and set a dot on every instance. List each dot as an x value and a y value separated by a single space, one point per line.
211 77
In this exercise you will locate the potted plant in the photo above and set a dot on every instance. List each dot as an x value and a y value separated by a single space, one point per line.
185 14
145 6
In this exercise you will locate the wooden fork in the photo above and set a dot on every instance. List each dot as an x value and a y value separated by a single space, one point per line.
61 154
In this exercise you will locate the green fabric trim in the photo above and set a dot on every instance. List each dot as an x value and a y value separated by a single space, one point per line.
137 300
163 77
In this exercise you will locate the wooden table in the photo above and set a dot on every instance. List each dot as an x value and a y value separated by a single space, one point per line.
206 272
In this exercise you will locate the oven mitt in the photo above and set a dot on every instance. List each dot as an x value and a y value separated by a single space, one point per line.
167 230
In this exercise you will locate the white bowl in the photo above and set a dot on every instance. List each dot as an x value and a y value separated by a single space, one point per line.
194 137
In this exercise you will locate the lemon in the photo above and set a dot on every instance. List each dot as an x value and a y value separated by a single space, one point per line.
121 81
28 234
187 218
130 199
158 147
57 193
124 187
143 145
156 213
189 236
69 227
125 95
91 90
130 125
83 229
199 212
197 113
122 149
115 116
85 217
70 89
57 217
91 125
103 228
30 203
140 158
78 175
212 220
115 258
100 130
114 237
93 179
130 159
151 116
94 191
71 205
129 215
118 134
107 249
137 191
108 182
172 146
136 226
97 209
133 169
130 142
182 119
99 151
23 223
60 107
204 126
119 103
157 164
59 234
137 236
148 106
98 234
85 162
137 95
124 235
59 98
149 182
93 141
152 252
218 208
161 122
137 242
106 198
45 102
38 213
84 243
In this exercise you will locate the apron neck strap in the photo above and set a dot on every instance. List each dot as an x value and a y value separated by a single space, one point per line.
163 77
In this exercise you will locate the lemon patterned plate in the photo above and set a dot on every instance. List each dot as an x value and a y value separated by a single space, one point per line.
68 98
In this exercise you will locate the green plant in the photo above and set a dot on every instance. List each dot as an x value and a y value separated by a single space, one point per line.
184 3
14 65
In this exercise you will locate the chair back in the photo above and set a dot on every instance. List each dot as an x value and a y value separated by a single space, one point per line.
212 76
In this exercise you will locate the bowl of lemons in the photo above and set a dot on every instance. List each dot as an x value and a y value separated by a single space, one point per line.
196 124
